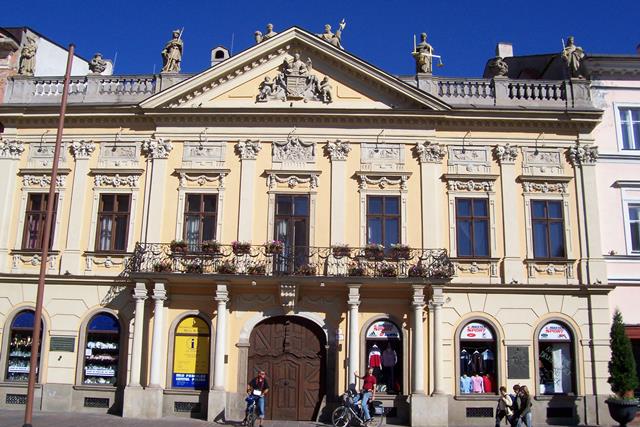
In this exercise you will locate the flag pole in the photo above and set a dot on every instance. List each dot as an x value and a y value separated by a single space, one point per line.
37 325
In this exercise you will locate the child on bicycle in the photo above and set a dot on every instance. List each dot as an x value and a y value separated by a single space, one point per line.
368 391
257 389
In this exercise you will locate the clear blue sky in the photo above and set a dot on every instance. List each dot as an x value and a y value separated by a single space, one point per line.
378 31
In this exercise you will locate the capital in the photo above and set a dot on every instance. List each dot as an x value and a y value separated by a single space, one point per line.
82 149
580 155
506 154
337 150
11 149
429 152
222 294
156 148
248 150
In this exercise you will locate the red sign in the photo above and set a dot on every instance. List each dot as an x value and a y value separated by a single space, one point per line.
554 332
476 331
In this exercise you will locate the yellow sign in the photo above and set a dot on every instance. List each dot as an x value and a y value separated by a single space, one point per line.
193 325
191 355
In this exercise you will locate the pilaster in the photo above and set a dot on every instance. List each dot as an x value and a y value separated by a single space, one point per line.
430 155
248 152
338 152
435 305
10 152
157 151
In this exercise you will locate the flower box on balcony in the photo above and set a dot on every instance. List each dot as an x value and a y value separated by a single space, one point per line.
356 272
340 251
178 246
257 270
241 248
210 247
274 247
400 251
227 268
306 270
388 270
193 268
162 266
374 251
417 270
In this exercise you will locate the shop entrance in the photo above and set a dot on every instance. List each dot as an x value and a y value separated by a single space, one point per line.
291 350
384 353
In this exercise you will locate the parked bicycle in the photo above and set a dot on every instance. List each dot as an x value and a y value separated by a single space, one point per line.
252 410
350 412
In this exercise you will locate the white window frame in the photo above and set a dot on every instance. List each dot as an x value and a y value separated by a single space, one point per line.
313 196
182 192
364 193
23 212
616 108
564 198
627 223
97 192
453 241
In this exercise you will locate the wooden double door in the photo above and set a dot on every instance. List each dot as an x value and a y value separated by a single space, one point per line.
291 350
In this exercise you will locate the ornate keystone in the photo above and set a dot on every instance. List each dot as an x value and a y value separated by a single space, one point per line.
429 152
583 155
506 154
248 150
337 150
156 148
82 149
11 149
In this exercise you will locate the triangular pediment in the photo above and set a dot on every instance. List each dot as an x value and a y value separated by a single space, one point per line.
294 69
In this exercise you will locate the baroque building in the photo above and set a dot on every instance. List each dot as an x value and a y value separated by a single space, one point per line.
298 210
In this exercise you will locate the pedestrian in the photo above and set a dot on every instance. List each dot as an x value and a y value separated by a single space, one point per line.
525 406
258 387
503 410
515 406
368 392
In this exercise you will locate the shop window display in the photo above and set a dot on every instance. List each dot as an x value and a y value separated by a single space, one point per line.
191 354
555 359
384 355
20 347
478 368
102 351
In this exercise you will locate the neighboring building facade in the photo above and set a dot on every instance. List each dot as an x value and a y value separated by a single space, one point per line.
479 184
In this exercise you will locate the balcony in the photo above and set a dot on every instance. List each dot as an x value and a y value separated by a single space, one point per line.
215 259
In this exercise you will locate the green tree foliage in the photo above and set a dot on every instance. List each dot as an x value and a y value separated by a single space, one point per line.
622 366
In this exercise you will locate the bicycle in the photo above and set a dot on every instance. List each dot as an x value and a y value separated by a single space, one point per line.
351 411
252 410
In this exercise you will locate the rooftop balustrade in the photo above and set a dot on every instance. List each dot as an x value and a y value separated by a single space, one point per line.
281 260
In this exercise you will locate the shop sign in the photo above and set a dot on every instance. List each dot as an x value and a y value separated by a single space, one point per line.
554 332
191 380
383 330
193 325
191 361
476 331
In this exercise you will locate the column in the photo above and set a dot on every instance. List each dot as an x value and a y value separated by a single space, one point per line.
354 329
10 152
71 261
248 152
140 296
513 267
157 344
338 152
222 297
436 306
592 264
157 151
430 156
417 386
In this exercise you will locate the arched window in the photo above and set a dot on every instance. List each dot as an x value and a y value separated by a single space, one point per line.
478 367
102 350
20 347
191 354
384 353
556 359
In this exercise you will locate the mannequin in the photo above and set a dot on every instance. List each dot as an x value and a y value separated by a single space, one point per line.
465 384
389 361
477 383
375 361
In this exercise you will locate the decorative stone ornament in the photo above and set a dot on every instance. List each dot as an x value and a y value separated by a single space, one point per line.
116 180
337 150
498 67
11 149
583 155
82 149
470 185
294 152
430 152
42 180
97 65
506 154
295 82
28 57
156 148
248 150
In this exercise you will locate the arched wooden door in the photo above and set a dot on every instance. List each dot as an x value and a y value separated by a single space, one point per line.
291 350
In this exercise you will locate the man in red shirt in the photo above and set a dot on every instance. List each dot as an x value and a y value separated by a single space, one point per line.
368 391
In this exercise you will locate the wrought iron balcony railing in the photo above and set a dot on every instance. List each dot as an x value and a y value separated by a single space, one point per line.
282 260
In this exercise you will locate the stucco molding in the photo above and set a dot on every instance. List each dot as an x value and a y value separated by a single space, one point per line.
337 150
156 148
430 152
11 149
81 149
248 150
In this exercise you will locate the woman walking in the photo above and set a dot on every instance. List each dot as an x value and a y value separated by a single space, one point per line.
525 406
504 406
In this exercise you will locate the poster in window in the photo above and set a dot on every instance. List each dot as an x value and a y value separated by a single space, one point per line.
383 330
554 332
476 331
191 354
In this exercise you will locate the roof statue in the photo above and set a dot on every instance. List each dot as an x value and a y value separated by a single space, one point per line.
97 65
266 36
423 54
295 81
333 38
498 67
572 55
172 53
28 57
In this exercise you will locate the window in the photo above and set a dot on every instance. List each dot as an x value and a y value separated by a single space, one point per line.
472 227
113 222
102 350
191 354
478 370
630 128
384 353
292 228
200 216
383 220
555 359
548 229
634 226
20 347
35 218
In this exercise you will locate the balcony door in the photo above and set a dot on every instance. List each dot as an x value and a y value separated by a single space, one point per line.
292 228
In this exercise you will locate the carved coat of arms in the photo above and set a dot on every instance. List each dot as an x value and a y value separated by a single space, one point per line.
295 82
